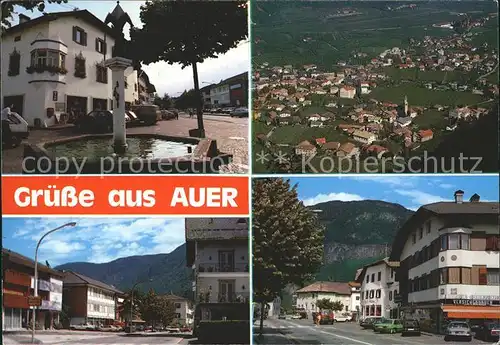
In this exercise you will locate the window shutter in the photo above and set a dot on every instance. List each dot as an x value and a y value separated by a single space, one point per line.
96 44
74 33
104 48
84 38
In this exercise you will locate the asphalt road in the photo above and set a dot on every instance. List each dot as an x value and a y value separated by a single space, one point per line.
305 332
87 338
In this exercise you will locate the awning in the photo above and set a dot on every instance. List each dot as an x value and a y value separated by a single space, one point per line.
472 312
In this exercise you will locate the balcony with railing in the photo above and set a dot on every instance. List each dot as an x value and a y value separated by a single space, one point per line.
214 297
222 267
217 234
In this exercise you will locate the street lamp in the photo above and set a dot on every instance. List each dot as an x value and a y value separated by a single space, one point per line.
35 283
132 301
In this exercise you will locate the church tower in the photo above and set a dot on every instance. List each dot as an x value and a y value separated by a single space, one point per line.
406 106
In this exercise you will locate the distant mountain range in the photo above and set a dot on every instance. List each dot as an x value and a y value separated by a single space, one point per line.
165 273
357 232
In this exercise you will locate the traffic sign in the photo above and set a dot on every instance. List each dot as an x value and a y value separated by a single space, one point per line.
34 301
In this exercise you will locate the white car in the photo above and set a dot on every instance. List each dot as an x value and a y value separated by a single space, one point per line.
342 318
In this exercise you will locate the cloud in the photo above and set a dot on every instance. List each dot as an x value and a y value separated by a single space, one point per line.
331 196
100 239
446 186
420 198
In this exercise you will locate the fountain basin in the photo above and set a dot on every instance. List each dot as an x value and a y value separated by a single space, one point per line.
146 154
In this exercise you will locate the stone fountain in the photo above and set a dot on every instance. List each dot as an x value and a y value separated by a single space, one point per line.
139 153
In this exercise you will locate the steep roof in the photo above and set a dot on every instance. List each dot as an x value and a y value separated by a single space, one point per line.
73 278
19 259
327 287
80 14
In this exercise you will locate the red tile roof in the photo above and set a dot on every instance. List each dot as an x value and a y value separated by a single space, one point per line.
328 287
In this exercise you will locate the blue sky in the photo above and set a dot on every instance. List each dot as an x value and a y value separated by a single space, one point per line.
167 78
409 191
92 239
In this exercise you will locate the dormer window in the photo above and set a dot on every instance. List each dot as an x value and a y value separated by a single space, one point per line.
79 36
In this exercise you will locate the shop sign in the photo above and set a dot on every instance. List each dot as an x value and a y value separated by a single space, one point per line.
235 86
476 300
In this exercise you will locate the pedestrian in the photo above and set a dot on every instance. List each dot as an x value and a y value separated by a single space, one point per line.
6 131
190 113
319 318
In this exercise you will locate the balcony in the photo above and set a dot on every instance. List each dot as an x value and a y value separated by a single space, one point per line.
222 267
210 297
217 234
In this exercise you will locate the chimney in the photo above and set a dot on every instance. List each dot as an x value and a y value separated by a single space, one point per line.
459 196
475 198
23 18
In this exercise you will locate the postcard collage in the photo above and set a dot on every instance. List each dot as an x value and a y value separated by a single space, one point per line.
250 172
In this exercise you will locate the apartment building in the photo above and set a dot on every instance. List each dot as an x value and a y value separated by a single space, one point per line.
217 251
379 290
18 283
89 301
54 65
146 90
232 91
449 262
308 297
183 310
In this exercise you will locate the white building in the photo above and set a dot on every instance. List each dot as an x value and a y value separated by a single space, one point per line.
347 92
449 262
219 95
217 251
364 136
355 305
183 310
308 297
378 290
53 65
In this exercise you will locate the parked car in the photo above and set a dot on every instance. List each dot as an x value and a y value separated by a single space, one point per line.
458 330
240 112
388 326
296 316
148 114
227 110
327 317
302 312
101 121
368 322
411 327
282 316
18 131
342 317
168 115
81 327
488 331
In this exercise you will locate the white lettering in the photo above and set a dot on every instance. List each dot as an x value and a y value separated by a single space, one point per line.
68 196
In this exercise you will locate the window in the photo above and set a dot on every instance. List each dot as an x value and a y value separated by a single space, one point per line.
453 275
102 74
100 46
357 298
464 241
444 242
428 227
390 295
17 38
346 308
443 276
483 275
378 293
177 305
420 233
492 243
372 292
373 277
45 57
367 278
414 238
177 315
79 36
366 294
379 276
14 63
493 276
453 241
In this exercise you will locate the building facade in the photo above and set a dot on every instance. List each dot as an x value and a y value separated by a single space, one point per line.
308 297
54 66
230 92
449 262
217 251
379 290
205 93
89 301
146 91
18 283
219 95
183 310
355 305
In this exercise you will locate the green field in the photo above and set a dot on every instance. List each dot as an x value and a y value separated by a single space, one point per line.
415 74
293 135
296 32
419 96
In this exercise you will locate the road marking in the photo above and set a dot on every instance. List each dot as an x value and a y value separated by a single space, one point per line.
347 338
237 138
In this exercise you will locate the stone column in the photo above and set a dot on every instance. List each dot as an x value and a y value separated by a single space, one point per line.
118 65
